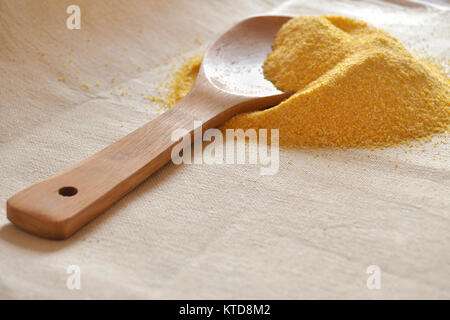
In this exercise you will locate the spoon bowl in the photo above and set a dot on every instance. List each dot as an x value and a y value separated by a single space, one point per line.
234 62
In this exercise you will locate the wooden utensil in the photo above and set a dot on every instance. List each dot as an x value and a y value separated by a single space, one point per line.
230 81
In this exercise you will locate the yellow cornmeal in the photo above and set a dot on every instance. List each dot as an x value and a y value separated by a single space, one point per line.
354 86
183 80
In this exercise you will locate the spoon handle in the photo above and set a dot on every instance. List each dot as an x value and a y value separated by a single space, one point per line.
57 207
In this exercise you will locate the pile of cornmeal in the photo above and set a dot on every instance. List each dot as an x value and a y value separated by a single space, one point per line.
353 85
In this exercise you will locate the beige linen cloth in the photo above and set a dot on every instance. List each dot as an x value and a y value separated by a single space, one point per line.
208 231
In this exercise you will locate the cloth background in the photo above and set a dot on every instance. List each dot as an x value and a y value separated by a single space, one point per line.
208 231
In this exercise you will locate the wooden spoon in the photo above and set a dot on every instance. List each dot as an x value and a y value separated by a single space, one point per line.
230 81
